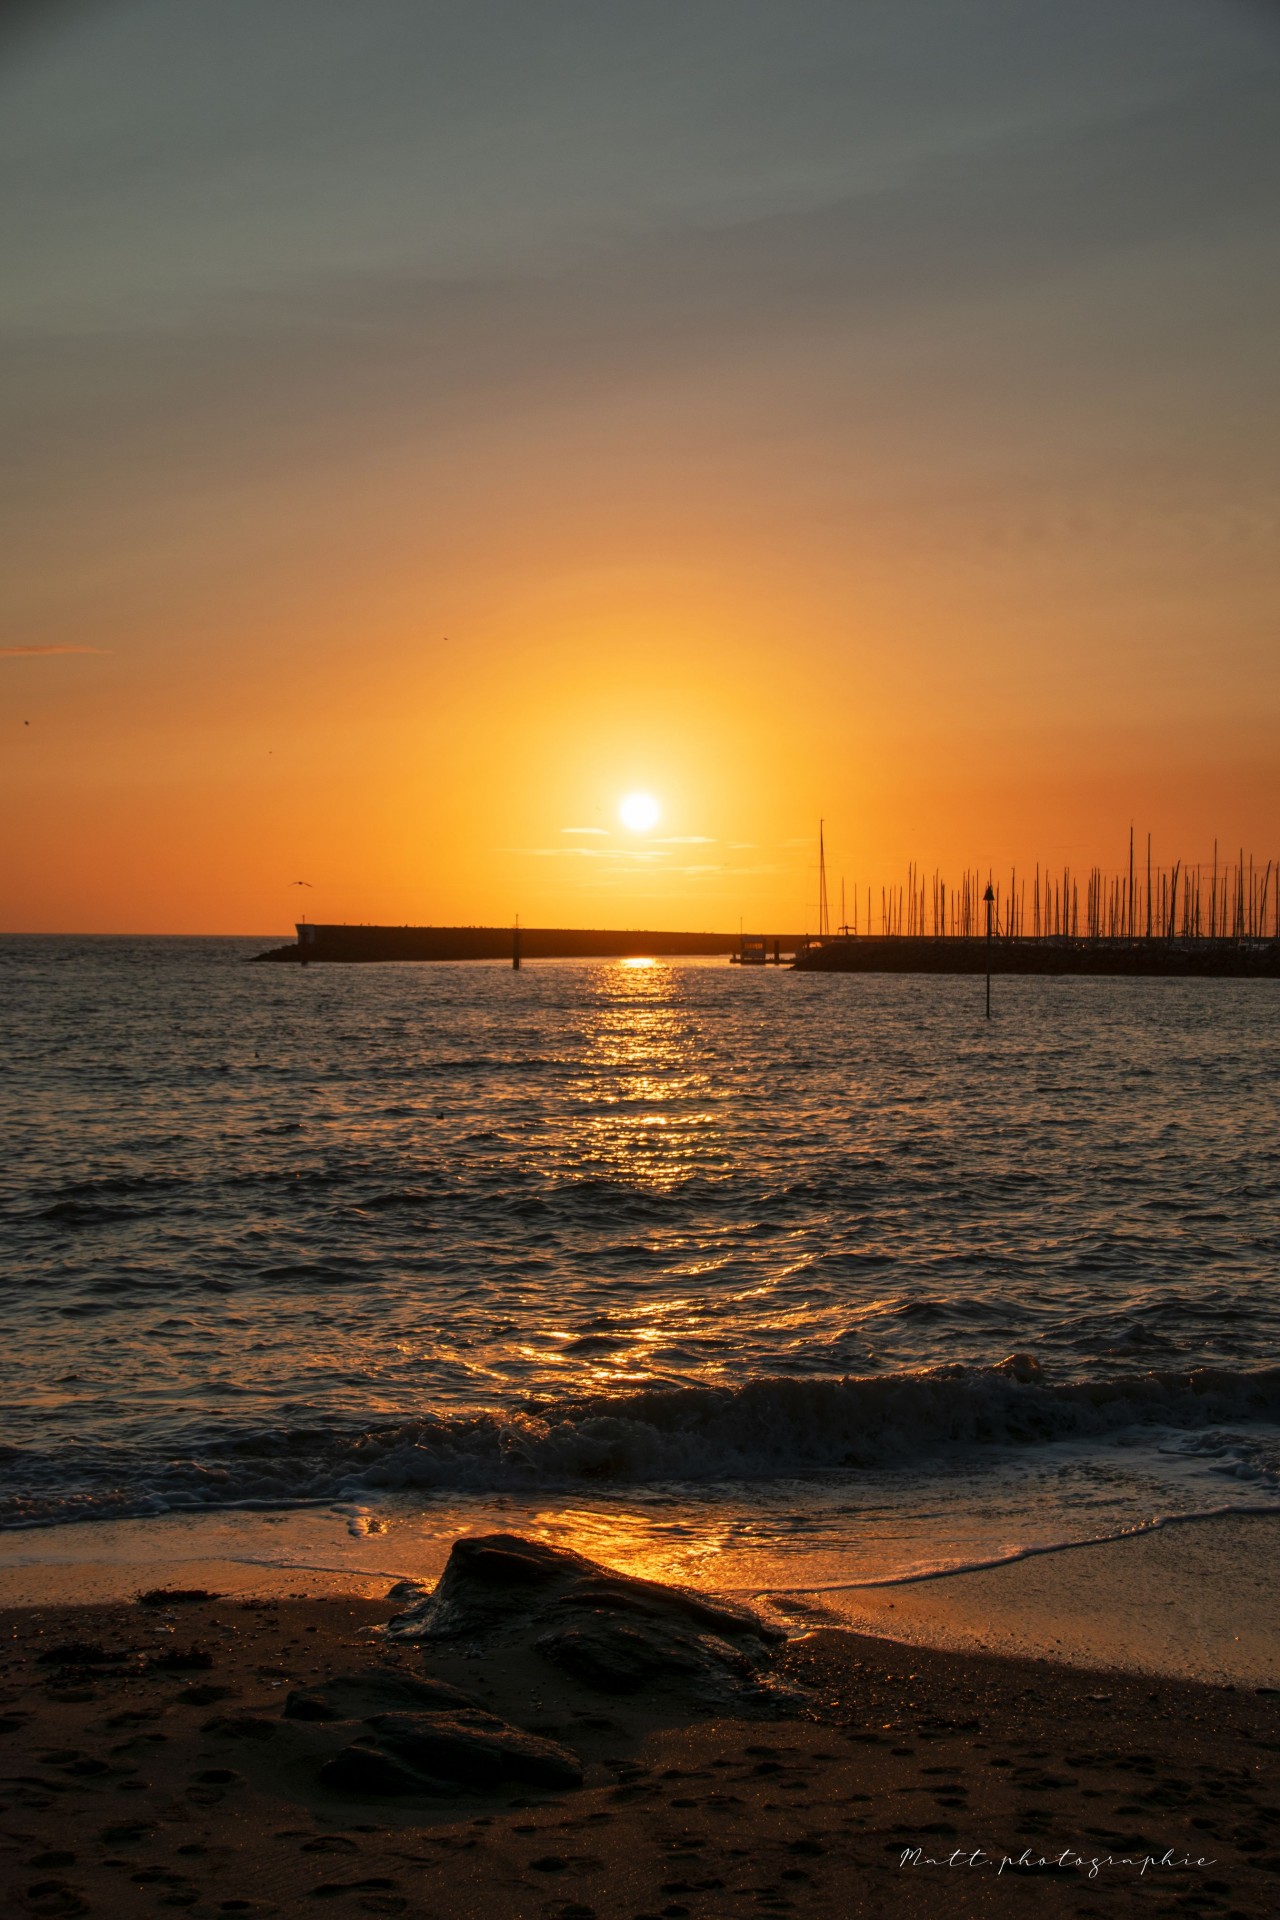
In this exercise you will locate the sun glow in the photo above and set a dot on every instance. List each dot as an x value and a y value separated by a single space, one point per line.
639 811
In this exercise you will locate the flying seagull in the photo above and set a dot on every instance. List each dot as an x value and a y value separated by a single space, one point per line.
299 883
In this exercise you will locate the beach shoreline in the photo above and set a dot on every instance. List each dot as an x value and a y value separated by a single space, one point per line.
1196 1600
151 1761
1190 1599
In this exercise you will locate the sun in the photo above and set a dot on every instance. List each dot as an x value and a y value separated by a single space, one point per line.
639 811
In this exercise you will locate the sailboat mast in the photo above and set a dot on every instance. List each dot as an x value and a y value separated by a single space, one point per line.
824 917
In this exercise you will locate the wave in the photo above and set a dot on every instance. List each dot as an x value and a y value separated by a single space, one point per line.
946 1570
692 1433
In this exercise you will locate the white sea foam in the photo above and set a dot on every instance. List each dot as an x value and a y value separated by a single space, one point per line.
761 1430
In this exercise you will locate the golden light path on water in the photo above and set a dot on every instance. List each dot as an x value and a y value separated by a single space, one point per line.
642 1111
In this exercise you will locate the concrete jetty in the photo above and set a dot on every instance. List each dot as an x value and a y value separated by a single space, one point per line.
947 953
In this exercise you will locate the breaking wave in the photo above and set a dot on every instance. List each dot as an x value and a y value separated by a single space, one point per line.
765 1428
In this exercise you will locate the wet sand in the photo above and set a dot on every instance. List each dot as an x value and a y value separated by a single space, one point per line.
146 1765
1194 1601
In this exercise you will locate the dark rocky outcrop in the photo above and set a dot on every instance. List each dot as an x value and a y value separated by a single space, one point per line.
429 1754
476 1749
367 1772
611 1632
509 1609
355 1696
425 1737
621 1656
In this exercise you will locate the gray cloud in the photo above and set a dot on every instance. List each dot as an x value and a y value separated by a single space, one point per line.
265 376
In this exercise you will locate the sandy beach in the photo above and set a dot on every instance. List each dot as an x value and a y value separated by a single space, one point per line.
180 1752
1190 1601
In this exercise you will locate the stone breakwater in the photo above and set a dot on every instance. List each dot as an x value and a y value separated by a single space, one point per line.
946 953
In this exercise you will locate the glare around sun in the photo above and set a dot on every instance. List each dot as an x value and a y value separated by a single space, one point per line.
639 811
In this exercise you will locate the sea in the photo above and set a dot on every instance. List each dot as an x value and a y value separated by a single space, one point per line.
755 1279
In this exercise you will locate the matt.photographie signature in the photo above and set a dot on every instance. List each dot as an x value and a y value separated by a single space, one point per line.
1065 1860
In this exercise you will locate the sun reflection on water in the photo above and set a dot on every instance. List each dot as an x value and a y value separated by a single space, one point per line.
643 1109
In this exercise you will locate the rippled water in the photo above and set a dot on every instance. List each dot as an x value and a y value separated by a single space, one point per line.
672 1232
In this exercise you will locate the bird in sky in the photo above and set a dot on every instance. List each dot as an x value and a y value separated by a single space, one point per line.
299 883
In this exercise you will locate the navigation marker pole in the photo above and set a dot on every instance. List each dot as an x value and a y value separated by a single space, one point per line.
989 897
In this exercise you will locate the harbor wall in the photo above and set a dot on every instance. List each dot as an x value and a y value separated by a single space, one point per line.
905 953
321 944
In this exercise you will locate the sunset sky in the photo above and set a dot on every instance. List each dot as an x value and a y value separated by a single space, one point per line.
424 424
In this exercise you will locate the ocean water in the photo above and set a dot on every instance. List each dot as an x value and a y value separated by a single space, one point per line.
705 1268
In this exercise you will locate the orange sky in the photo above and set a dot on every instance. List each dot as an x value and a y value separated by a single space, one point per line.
788 412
